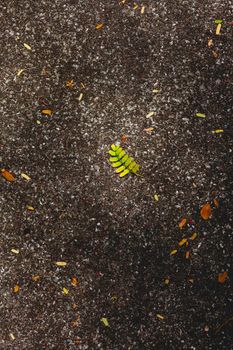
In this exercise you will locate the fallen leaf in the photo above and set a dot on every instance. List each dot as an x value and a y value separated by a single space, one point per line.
12 336
149 130
187 254
150 114
216 203
105 321
16 288
80 97
70 84
123 138
166 281
156 197
200 115
74 281
155 91
30 208
28 47
218 21
173 252
206 211
135 6
61 263
20 71
194 236
142 10
38 122
47 112
182 242
160 316
222 277
182 223
25 176
82 85
218 131
35 278
218 29
215 54
99 25
15 251
65 291
210 42
7 175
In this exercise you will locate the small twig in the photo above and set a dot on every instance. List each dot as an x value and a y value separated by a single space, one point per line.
223 324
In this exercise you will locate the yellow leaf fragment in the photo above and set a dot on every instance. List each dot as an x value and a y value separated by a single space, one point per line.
218 131
99 25
20 71
15 251
61 263
166 281
156 197
104 320
12 336
70 84
173 252
142 10
30 208
160 316
182 223
155 91
25 176
16 288
80 97
65 291
135 6
35 278
182 242
47 112
194 236
218 29
28 47
150 114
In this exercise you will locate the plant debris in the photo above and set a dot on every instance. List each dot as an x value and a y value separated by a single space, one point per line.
206 211
222 277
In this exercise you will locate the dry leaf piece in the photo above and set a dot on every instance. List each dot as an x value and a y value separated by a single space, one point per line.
216 203
15 251
160 316
47 112
20 71
104 320
142 10
30 208
61 263
35 278
187 254
218 131
182 223
166 281
123 138
156 197
25 177
222 277
12 336
16 288
149 130
28 47
99 25
65 291
218 29
150 114
206 211
210 42
74 281
70 84
173 252
7 175
182 242
194 236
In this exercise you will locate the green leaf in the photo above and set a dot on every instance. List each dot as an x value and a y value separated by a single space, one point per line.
125 172
114 147
119 170
135 169
130 167
122 161
200 115
129 160
113 159
117 164
112 153
118 151
104 320
218 21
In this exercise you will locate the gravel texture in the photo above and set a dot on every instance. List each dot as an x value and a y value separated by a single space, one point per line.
114 236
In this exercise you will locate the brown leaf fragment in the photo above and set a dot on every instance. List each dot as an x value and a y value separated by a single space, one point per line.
194 236
222 277
182 242
149 130
182 223
47 112
74 281
215 54
206 211
210 42
123 138
187 254
7 175
35 278
70 84
216 203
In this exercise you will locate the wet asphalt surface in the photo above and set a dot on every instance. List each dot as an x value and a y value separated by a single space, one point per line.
115 237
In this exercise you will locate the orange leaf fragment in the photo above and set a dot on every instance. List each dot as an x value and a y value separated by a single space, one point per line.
182 223
194 236
7 175
206 211
187 254
182 242
222 277
99 25
47 112
74 281
216 203
123 138
35 278
16 288
70 84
